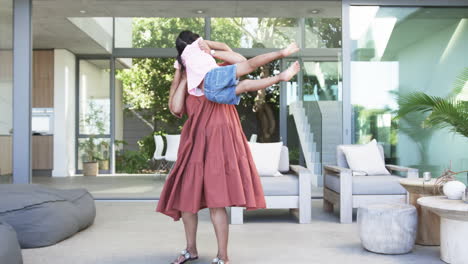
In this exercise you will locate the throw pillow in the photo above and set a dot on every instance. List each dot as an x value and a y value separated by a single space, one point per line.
365 158
266 157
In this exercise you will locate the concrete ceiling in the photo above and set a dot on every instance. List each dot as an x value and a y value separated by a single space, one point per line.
52 29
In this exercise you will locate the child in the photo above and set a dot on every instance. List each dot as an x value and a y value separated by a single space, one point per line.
221 84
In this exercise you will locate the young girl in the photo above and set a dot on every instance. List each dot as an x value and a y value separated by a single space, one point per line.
221 84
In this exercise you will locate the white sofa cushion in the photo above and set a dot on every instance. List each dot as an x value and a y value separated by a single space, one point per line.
369 185
365 158
287 185
266 157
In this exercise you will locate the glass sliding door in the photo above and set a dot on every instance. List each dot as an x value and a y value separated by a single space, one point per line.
253 32
321 96
141 112
154 32
94 114
399 50
6 90
322 80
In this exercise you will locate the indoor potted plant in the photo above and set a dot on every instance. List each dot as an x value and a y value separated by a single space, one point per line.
89 157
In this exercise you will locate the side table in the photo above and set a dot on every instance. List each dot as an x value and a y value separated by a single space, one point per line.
428 222
453 227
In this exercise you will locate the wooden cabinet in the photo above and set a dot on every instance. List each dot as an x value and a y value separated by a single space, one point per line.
42 152
6 65
43 78
43 97
6 156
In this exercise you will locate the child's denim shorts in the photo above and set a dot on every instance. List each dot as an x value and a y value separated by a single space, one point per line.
220 85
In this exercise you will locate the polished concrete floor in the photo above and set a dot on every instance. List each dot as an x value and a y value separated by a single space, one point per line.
138 186
132 233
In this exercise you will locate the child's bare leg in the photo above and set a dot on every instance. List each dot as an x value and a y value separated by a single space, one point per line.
255 85
250 65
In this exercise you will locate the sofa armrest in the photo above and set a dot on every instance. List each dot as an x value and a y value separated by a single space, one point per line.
335 170
346 190
305 179
410 172
305 192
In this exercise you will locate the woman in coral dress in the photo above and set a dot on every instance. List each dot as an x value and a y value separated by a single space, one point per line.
214 168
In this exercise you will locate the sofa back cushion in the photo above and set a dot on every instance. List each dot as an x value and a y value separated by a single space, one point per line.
368 158
341 158
266 157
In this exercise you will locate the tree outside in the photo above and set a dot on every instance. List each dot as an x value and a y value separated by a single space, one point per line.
146 84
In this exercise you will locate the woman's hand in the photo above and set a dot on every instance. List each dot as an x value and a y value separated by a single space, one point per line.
204 46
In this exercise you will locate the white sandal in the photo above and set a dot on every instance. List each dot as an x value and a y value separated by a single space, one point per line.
218 261
187 257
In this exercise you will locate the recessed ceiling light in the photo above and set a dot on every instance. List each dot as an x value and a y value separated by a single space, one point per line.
200 11
83 11
314 11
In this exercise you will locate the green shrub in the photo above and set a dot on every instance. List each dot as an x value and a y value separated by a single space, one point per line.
130 161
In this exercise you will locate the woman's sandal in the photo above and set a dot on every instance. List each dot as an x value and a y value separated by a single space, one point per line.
187 257
218 261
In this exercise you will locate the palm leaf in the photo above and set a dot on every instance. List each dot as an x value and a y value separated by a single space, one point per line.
460 82
443 113
416 102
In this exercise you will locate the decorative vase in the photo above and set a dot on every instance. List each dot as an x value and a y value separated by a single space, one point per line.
454 190
90 168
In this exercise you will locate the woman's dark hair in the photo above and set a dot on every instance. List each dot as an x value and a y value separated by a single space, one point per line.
185 38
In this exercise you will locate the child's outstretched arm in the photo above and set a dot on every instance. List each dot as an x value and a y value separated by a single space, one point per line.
222 51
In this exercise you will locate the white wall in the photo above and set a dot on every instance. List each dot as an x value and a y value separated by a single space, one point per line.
64 113
99 29
124 32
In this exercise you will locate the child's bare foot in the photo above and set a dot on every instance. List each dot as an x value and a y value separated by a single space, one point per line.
290 72
290 49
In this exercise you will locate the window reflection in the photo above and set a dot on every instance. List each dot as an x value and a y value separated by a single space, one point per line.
396 51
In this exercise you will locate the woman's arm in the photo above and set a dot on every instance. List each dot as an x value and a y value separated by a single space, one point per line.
177 93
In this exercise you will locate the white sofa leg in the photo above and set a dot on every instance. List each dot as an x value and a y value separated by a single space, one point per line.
237 215
346 215
346 197
305 210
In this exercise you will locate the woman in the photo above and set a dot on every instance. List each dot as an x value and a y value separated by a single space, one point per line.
214 167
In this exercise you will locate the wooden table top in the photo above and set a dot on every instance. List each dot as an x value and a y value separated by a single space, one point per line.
444 207
419 186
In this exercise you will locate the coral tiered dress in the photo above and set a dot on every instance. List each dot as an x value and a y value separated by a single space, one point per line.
214 165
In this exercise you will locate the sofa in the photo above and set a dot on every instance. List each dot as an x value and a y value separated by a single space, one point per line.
291 190
348 189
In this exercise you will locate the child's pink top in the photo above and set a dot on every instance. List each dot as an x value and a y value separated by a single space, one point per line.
197 64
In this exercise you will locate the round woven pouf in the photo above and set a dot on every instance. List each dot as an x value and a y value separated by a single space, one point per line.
388 228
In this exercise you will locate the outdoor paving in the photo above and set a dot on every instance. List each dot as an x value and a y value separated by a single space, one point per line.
131 232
